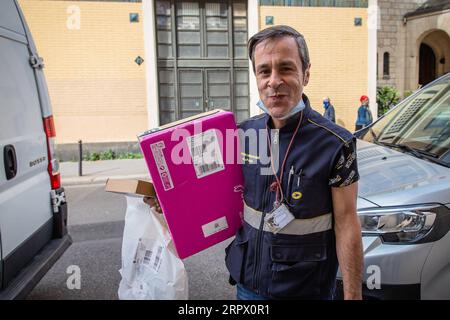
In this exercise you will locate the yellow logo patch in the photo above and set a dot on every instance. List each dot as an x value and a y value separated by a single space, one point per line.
296 195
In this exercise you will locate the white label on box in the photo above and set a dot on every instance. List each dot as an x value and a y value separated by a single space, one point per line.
163 169
215 226
205 152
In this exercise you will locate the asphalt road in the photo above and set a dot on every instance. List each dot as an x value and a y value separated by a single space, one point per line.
96 222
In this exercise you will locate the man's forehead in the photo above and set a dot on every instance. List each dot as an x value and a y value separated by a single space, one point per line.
285 46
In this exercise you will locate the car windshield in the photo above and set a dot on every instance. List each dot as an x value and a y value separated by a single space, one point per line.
420 125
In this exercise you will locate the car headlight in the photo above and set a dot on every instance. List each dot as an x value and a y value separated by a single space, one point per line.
408 224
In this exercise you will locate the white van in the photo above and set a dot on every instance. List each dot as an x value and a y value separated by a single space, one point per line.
33 210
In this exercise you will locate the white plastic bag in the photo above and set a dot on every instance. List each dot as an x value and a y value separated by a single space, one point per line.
151 270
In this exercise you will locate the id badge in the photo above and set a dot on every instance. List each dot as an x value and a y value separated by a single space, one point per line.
278 218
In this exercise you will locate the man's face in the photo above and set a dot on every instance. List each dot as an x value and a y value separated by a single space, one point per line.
279 75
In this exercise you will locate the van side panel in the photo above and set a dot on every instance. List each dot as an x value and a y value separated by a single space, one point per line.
25 199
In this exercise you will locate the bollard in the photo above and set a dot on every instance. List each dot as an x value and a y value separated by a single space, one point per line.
80 158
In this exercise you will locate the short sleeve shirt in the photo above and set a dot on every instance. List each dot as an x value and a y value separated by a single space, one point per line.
345 168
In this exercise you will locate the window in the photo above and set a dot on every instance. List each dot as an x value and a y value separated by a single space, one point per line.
316 3
386 65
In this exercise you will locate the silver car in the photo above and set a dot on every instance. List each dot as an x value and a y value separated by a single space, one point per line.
404 198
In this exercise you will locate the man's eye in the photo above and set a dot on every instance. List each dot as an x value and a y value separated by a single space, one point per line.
264 72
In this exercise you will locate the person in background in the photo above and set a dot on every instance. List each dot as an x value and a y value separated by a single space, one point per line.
364 117
329 110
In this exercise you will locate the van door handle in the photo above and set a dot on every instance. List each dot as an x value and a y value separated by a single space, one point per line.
10 160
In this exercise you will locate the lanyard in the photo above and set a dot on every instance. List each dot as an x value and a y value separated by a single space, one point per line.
276 185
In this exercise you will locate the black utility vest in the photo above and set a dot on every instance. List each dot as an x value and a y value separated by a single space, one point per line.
288 266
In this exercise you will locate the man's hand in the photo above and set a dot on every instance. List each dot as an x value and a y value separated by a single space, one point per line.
348 240
153 203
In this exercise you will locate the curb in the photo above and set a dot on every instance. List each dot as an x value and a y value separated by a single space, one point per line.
71 181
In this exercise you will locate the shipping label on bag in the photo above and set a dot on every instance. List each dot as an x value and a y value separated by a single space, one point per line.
148 254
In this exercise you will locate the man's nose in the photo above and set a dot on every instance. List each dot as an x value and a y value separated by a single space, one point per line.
275 80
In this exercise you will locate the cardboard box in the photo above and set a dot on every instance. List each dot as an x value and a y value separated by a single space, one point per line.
201 200
130 186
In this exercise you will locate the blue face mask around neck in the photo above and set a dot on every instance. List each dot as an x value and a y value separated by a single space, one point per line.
299 107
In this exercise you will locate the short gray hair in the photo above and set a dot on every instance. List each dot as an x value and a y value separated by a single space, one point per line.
279 32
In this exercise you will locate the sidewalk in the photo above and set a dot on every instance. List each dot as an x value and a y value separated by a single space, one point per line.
96 172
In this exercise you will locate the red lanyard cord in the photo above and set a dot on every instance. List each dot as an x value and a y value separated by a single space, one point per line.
279 180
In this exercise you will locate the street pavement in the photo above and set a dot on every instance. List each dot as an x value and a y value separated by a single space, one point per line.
96 222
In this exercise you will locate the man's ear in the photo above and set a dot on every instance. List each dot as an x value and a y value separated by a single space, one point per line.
306 76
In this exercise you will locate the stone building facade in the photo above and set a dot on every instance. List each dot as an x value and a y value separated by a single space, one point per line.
413 43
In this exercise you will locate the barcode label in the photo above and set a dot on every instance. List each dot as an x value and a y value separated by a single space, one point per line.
151 258
147 257
158 258
205 152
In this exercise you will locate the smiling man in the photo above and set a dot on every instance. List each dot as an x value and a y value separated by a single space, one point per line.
300 221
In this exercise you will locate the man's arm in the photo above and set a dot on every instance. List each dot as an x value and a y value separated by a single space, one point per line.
348 239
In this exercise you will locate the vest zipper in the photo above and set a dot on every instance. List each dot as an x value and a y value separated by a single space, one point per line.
258 245
259 240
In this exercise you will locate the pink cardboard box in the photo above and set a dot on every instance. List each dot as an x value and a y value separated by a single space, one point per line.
194 167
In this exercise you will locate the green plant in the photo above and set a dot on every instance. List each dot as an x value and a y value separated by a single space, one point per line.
130 155
387 97
108 155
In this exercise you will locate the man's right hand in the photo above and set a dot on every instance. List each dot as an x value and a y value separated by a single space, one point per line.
153 203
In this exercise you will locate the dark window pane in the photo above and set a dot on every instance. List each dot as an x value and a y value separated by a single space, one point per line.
241 103
188 37
190 91
217 37
187 9
163 22
240 24
166 90
163 7
386 64
167 104
219 90
241 116
188 76
218 77
240 52
219 103
241 76
240 38
216 23
242 89
188 23
185 51
166 117
217 51
165 51
192 104
164 37
166 76
216 9
239 10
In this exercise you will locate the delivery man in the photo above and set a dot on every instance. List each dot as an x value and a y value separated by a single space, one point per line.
300 220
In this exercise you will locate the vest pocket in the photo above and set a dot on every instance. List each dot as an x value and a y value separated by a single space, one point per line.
296 270
235 255
302 196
